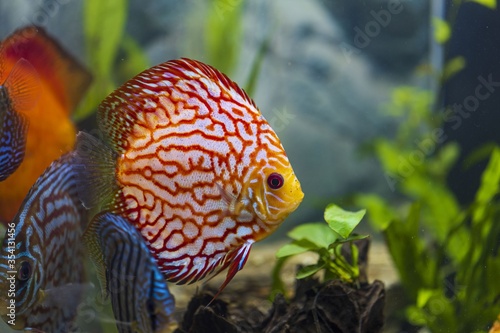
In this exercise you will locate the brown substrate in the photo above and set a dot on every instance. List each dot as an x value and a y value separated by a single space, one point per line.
330 307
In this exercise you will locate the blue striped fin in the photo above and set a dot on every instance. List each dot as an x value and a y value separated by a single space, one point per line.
139 294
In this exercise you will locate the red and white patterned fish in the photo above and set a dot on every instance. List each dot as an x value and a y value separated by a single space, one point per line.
191 162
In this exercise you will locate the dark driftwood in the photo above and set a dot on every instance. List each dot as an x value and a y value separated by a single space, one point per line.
333 306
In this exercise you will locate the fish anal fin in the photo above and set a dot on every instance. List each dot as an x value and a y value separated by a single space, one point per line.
96 163
23 85
237 263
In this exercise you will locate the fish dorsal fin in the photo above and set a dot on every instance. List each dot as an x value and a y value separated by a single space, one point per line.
236 92
60 71
96 163
155 89
23 85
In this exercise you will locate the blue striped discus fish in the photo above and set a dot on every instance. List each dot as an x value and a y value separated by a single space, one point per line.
127 271
41 258
17 93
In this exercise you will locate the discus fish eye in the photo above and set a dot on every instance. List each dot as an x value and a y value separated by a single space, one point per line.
24 272
275 181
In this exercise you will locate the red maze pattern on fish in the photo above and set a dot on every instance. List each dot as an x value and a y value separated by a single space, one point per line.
193 162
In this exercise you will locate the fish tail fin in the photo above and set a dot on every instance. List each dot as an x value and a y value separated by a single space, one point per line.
96 186
23 85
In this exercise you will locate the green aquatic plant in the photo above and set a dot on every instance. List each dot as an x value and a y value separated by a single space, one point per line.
448 261
223 34
106 40
326 240
447 256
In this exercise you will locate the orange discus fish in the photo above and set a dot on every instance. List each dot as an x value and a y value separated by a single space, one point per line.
61 82
193 165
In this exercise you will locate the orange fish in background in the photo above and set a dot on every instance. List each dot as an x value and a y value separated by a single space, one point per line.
496 326
51 133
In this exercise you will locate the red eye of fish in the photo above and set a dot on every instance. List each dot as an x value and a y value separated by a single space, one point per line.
275 181
24 272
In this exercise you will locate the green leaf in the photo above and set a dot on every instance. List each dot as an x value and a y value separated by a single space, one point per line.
256 67
316 233
296 247
452 67
223 34
442 30
415 265
491 4
490 182
104 23
478 155
355 257
135 59
341 221
309 270
350 238
278 285
424 295
445 158
379 212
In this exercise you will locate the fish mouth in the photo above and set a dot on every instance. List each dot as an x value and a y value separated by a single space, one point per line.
295 196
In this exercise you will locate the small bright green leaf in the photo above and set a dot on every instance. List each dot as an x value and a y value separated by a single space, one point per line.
317 233
423 297
341 221
442 30
296 247
491 4
309 270
452 67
